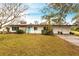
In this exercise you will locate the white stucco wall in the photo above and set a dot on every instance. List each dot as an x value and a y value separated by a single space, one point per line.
63 29
22 28
10 29
31 30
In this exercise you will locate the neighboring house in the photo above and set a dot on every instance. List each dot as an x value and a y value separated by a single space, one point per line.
65 29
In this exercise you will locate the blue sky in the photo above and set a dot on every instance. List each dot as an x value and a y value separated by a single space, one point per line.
35 13
69 17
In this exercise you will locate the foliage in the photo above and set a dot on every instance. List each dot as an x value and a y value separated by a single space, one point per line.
47 32
44 32
65 8
75 28
75 19
10 12
19 31
61 10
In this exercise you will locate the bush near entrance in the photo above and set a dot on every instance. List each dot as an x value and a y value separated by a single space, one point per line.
20 32
46 32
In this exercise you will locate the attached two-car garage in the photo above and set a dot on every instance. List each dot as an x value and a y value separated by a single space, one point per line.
62 29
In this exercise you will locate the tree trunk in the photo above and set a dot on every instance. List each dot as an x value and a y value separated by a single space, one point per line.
50 30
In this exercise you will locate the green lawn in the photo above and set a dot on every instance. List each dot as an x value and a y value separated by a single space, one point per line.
23 44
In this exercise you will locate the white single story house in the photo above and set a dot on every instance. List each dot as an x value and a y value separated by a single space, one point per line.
65 29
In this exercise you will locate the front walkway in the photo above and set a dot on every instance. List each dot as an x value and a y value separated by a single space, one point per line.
70 38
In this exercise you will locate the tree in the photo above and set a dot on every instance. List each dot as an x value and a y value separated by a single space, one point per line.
65 8
75 20
52 16
60 12
48 18
10 12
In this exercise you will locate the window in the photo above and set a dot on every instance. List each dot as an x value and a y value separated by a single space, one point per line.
35 28
15 28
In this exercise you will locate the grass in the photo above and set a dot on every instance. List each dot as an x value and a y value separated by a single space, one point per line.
35 45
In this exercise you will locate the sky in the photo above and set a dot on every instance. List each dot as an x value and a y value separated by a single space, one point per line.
34 13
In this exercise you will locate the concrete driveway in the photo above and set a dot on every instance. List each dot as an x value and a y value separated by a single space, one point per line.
70 38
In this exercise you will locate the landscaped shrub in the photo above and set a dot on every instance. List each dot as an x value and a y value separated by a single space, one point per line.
75 28
20 31
46 32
